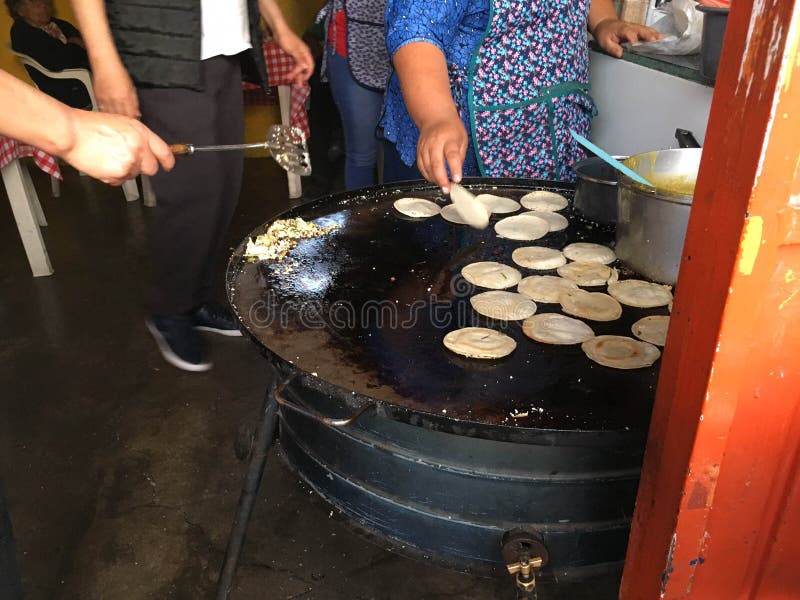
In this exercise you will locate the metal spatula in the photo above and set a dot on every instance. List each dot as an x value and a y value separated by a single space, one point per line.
286 144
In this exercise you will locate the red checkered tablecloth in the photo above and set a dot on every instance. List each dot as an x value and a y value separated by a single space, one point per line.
279 65
12 149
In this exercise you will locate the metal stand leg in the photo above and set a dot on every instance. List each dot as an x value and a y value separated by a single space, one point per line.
264 435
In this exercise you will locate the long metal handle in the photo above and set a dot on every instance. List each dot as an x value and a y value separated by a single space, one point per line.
190 149
316 416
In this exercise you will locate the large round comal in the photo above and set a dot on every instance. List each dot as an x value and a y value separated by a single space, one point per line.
652 222
451 452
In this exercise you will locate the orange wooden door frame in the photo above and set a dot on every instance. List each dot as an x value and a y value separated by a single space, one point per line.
718 511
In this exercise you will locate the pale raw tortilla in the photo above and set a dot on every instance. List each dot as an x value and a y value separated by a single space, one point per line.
553 328
492 275
419 208
593 253
544 200
506 306
619 352
538 258
652 329
479 342
473 213
498 204
587 274
555 221
545 288
594 306
522 227
449 213
641 294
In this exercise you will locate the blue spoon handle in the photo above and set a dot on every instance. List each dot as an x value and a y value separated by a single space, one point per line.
609 159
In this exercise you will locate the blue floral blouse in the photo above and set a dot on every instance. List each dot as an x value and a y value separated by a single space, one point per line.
457 29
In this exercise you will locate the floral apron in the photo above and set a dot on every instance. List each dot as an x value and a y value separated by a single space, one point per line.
529 85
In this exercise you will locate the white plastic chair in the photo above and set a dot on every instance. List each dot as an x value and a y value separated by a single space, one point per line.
129 188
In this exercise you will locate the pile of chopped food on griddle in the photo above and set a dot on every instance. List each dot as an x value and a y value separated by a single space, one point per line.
282 236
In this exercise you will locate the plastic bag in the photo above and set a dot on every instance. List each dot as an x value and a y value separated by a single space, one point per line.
681 28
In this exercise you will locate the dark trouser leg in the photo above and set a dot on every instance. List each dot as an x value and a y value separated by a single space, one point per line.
394 169
196 200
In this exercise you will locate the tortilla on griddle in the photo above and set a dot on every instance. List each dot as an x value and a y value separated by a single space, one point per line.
449 213
555 221
479 342
553 328
498 205
620 352
594 306
641 294
652 329
545 288
538 258
591 253
506 306
542 200
522 227
492 275
418 208
587 274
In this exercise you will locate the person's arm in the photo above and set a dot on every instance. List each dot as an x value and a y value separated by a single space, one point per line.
422 71
111 148
610 32
113 87
288 40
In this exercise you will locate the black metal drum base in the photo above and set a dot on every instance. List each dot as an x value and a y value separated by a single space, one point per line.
451 497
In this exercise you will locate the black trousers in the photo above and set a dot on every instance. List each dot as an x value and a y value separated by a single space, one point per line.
196 200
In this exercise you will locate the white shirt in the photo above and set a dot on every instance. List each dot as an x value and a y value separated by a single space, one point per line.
225 27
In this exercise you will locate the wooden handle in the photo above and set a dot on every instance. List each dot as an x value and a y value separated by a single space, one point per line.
180 149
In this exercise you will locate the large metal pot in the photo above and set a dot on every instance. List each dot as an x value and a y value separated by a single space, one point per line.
651 222
596 189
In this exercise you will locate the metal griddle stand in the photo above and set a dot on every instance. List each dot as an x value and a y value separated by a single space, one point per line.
257 447
262 440
523 551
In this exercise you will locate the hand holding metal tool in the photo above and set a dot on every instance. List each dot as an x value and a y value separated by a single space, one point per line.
286 144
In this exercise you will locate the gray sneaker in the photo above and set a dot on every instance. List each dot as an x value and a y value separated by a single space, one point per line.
180 345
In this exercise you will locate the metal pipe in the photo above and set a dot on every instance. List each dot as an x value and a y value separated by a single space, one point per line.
265 434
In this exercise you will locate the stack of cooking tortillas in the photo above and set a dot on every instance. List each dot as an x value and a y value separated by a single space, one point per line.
562 276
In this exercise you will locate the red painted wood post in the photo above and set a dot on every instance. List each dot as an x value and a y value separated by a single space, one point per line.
718 511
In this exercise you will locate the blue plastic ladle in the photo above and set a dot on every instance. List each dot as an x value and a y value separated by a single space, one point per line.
609 159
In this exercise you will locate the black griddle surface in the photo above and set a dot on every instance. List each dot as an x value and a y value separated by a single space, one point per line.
366 308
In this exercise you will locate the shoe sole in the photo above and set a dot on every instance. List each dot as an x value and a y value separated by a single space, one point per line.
170 356
226 332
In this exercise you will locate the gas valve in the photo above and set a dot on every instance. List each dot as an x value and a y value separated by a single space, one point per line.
524 553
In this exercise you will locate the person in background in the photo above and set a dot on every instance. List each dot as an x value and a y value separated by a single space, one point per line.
184 79
499 100
110 148
325 142
357 66
53 43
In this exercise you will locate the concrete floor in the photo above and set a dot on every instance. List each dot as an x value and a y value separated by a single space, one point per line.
120 470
